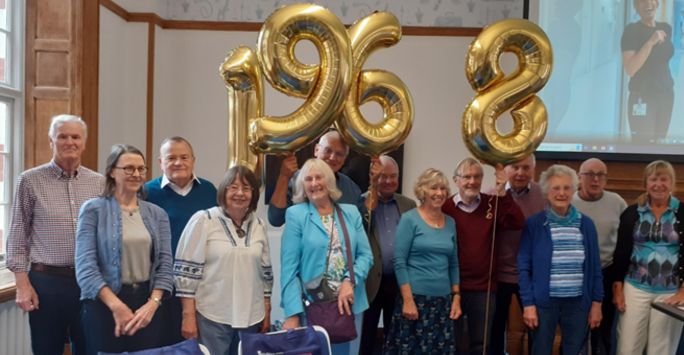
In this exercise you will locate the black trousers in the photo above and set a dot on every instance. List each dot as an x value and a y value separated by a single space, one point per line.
383 302
504 295
98 323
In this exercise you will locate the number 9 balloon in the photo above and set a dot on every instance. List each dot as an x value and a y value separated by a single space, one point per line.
495 93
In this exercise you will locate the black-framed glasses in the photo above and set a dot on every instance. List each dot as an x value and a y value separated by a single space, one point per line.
129 169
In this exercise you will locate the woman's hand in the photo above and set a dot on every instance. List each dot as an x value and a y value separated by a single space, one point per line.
657 37
189 326
291 322
345 298
530 317
455 307
409 310
676 299
266 323
142 317
122 316
619 297
595 315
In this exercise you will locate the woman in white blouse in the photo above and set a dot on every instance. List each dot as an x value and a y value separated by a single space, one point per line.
223 268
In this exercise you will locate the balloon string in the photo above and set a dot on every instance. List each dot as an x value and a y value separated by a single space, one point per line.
489 278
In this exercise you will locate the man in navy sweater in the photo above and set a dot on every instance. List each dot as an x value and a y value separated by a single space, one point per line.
180 193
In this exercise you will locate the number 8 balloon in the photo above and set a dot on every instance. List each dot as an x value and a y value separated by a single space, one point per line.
495 93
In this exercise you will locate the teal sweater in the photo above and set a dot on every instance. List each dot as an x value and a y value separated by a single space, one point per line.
426 257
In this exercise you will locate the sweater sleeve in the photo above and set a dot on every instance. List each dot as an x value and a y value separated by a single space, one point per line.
402 248
453 258
290 259
590 232
191 255
525 265
510 215
625 243
266 267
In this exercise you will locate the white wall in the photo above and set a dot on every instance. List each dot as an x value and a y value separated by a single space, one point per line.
122 84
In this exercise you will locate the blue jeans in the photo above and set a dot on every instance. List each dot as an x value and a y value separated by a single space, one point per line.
58 315
221 339
573 322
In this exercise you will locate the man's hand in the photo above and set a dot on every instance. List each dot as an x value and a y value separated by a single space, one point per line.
500 180
375 170
289 166
26 297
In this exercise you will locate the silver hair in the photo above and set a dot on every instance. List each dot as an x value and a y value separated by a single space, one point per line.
466 163
334 135
558 170
59 120
389 159
330 182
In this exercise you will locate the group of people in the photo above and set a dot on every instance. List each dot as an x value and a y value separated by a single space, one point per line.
114 263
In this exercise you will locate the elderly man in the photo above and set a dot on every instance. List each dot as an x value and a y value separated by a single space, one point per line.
331 149
473 212
180 193
41 240
381 284
604 208
529 197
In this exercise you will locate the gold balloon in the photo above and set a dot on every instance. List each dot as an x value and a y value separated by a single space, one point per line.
242 75
323 86
496 93
374 31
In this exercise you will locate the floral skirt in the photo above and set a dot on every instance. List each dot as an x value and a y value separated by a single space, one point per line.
431 333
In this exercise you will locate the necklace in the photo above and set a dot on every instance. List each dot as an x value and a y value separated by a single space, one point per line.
131 211
430 221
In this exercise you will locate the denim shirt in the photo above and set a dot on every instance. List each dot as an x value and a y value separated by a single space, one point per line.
99 245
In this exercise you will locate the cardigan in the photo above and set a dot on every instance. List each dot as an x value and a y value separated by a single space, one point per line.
534 262
99 246
625 243
303 251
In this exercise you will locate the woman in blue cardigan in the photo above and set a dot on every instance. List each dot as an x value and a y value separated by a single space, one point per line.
313 235
123 260
560 270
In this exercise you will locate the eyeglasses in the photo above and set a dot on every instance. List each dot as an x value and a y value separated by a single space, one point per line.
235 188
594 175
129 169
470 177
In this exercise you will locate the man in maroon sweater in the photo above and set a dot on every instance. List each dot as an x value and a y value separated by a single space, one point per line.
529 197
475 214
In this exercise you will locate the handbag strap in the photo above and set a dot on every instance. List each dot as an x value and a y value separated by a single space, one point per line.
350 259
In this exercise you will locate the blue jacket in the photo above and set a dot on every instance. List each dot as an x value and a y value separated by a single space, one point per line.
304 248
534 262
98 246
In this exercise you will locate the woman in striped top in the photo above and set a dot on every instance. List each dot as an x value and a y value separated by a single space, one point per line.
560 269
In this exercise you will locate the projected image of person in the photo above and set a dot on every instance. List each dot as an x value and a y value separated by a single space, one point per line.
646 51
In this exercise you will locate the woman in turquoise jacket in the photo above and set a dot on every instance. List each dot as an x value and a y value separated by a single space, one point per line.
312 236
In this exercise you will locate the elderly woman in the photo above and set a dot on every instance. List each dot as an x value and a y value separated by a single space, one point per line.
123 260
560 269
426 267
648 266
313 250
223 267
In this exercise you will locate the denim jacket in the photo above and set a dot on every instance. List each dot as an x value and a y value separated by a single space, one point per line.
99 244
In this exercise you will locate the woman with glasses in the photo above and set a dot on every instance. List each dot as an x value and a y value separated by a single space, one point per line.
223 269
123 260
648 266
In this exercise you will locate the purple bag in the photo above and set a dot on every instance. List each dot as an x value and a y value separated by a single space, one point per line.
340 328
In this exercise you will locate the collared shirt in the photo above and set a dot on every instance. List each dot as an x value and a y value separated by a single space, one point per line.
386 217
517 194
44 215
466 207
183 191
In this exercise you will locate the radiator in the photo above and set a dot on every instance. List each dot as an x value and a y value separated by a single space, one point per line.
15 338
